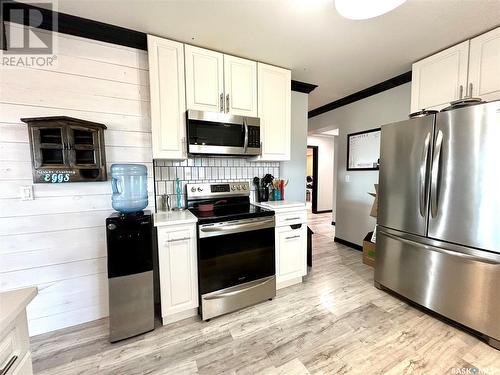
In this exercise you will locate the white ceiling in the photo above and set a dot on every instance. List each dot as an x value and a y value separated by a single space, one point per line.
308 36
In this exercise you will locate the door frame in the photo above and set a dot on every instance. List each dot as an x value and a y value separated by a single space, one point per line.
315 179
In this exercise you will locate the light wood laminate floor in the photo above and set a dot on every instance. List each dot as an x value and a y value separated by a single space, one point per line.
335 322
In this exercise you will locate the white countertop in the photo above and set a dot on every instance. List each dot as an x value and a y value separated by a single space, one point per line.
282 206
13 302
163 218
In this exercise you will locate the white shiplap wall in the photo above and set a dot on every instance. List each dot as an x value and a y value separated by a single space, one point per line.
57 241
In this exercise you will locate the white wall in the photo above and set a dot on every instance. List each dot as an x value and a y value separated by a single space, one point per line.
57 241
295 169
325 170
353 202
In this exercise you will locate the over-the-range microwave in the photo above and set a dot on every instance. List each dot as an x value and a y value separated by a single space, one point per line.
216 133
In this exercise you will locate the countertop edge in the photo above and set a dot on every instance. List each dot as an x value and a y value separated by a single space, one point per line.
168 218
25 296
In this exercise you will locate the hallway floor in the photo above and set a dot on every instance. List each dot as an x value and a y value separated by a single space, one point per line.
335 322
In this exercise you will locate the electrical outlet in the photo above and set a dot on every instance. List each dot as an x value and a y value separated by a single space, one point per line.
26 192
347 178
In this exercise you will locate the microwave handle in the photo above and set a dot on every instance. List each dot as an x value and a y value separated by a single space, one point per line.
245 144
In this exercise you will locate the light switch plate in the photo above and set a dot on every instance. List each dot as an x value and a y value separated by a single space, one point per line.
347 178
26 192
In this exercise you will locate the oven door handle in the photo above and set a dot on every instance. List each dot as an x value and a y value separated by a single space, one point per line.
236 292
221 230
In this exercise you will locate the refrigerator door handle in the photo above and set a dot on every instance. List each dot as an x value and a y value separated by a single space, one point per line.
443 251
435 173
423 173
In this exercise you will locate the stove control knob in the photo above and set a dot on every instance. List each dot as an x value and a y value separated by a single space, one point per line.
233 187
193 189
239 187
200 189
244 187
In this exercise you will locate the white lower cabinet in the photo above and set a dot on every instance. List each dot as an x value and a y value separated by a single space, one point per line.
291 253
177 260
25 367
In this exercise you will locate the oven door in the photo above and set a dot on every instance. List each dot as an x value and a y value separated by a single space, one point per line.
235 252
222 134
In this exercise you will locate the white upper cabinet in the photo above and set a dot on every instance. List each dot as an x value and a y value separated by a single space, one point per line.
240 86
220 83
168 106
204 79
440 78
274 96
484 66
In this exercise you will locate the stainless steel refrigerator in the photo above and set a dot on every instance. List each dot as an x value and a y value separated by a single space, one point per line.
438 233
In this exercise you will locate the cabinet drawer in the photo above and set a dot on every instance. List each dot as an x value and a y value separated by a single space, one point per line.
24 367
291 218
8 349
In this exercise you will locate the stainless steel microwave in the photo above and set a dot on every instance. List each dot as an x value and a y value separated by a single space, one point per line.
215 133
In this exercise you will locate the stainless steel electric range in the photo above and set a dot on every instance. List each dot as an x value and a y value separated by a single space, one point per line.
236 254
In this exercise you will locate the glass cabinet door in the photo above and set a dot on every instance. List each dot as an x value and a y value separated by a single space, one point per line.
83 147
49 150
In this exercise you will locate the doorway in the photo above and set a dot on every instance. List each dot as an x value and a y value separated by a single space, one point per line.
312 179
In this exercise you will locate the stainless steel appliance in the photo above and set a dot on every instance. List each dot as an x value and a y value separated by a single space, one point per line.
130 274
222 134
236 253
438 234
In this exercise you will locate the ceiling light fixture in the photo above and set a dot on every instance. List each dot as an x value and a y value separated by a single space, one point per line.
364 9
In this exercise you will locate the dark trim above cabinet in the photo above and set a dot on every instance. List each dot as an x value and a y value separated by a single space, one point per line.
104 32
375 89
82 27
303 87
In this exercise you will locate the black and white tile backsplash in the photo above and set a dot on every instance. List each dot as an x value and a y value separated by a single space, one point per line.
207 169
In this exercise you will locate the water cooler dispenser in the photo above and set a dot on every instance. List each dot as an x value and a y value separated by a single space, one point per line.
129 234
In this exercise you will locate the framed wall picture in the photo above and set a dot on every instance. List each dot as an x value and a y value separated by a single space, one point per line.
363 150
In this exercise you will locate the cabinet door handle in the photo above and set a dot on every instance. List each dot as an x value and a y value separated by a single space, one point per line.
8 365
461 92
221 102
292 218
470 90
292 237
177 240
227 103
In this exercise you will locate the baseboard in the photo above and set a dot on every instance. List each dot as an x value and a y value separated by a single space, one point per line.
347 243
179 316
322 212
287 283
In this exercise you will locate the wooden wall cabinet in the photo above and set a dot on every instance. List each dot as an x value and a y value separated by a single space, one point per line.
66 149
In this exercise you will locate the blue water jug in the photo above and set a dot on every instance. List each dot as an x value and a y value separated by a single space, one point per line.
130 187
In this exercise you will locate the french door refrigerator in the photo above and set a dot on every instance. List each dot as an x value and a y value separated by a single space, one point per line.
438 234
